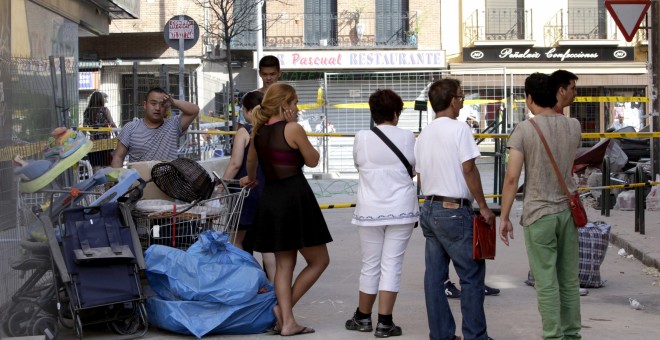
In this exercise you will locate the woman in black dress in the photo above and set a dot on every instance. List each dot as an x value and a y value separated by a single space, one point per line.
97 115
288 218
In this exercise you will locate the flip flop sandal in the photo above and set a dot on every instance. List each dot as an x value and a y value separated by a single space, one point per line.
303 331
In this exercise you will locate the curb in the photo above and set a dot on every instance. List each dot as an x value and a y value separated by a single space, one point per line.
630 249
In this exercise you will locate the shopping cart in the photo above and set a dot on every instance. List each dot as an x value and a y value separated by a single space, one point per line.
178 225
40 300
32 308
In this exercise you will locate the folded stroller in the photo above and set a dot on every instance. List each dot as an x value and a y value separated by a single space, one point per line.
97 259
32 309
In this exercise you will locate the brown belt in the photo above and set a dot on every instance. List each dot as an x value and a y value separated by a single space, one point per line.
461 201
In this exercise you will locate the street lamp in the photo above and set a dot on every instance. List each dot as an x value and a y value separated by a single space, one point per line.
421 103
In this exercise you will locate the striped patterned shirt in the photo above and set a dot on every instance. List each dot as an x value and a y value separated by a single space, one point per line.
151 144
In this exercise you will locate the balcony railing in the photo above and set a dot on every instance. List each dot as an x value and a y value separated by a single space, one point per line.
641 37
498 24
590 23
587 23
342 30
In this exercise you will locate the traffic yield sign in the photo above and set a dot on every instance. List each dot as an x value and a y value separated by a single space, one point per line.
628 15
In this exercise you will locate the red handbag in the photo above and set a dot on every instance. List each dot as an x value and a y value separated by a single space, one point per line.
574 203
577 210
483 239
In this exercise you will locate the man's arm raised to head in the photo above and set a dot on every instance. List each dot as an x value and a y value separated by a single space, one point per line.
189 112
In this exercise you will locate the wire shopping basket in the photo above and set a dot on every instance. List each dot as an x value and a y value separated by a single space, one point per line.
178 224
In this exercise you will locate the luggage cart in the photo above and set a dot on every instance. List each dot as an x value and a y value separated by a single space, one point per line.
32 308
178 225
36 305
97 261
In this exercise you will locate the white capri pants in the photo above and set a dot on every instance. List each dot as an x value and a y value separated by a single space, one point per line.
382 256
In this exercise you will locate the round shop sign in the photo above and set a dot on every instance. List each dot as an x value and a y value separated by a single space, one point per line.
181 27
477 55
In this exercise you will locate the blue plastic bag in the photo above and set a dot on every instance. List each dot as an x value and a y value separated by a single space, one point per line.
213 277
200 318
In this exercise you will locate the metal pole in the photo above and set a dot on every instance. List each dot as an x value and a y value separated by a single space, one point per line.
639 201
68 175
260 43
163 78
654 50
53 80
605 193
182 95
65 99
135 90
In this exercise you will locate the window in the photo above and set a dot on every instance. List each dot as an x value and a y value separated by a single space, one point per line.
247 38
391 22
587 19
505 19
320 22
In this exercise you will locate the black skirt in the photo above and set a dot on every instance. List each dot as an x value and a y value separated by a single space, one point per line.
288 217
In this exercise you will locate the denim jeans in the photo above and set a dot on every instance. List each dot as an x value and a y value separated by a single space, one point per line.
448 235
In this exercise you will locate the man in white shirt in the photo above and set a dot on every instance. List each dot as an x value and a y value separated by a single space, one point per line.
445 153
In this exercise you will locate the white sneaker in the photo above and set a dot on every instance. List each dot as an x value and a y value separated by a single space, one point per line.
584 292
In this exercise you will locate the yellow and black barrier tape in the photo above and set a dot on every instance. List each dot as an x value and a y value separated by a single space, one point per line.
337 205
29 149
586 135
620 186
579 99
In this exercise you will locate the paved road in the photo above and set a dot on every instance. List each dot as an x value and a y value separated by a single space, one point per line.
512 315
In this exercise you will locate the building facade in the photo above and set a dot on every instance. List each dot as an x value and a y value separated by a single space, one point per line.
531 36
311 38
38 85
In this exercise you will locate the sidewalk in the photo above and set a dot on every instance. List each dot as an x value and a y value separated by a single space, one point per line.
606 313
643 247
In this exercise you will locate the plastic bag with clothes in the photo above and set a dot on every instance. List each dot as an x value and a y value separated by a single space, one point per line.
212 288
593 239
653 198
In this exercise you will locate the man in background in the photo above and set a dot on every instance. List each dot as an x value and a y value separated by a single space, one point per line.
564 83
269 72
445 155
155 136
551 237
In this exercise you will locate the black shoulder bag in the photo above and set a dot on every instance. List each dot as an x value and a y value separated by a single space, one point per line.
397 152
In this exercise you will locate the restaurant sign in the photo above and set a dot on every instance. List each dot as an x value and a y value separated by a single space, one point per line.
499 54
361 59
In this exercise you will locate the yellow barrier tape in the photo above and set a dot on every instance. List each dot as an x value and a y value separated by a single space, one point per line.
596 135
209 119
583 99
337 206
350 106
610 99
308 106
25 150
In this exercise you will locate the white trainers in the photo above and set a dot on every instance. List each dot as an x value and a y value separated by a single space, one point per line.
584 292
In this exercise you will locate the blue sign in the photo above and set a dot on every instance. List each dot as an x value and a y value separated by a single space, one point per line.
86 81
